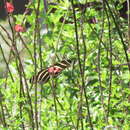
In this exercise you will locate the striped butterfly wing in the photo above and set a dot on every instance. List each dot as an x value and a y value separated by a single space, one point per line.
43 76
63 64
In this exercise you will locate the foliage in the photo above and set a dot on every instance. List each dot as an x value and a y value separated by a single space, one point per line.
94 93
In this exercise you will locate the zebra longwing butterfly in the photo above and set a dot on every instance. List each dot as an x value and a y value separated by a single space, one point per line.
44 75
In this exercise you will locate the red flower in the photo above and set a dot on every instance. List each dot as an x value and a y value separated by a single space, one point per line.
9 7
54 70
19 28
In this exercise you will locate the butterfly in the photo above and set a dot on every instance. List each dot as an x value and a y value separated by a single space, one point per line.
53 71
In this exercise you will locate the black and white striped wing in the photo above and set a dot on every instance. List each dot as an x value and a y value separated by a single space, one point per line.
42 77
63 64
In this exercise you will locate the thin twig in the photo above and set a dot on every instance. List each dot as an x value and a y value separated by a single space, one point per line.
20 95
2 112
120 35
26 47
110 63
36 32
79 62
16 53
53 87
128 5
99 61
6 63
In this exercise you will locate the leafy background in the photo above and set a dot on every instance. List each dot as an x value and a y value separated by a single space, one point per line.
94 93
